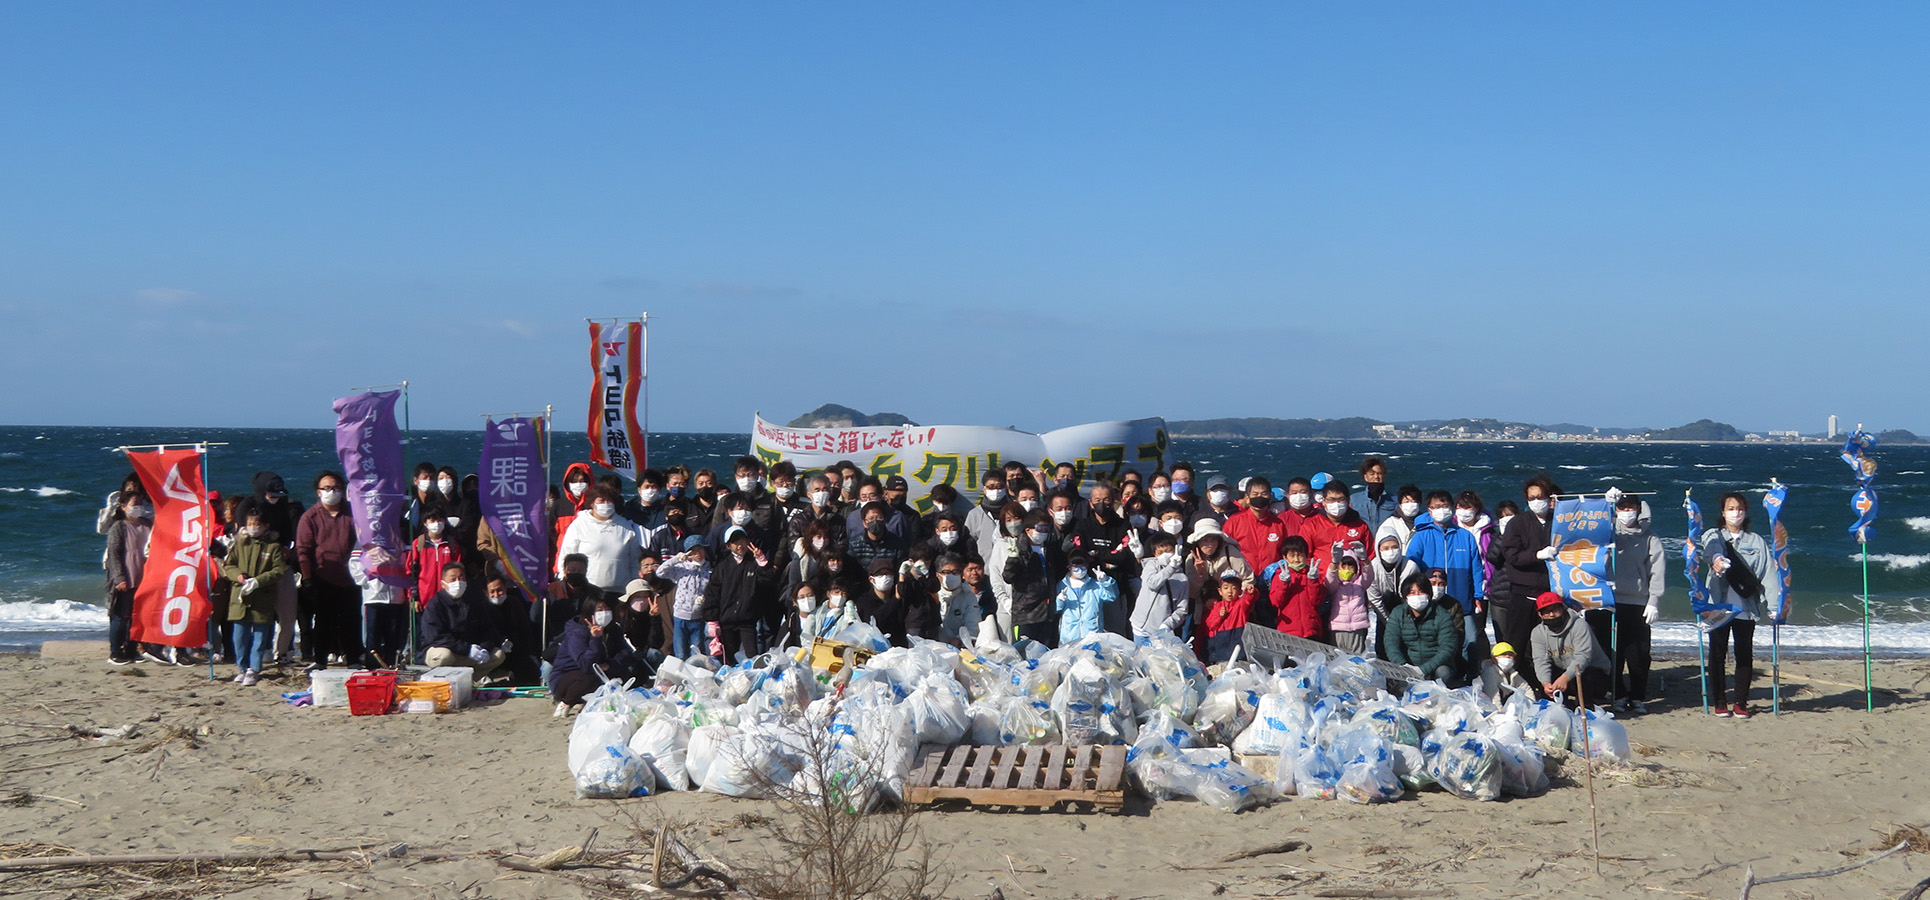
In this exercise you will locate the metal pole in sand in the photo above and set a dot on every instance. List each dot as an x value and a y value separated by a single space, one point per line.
207 583
1588 761
1869 689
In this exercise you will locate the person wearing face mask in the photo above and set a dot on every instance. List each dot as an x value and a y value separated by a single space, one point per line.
1163 604
566 594
640 613
941 501
1373 502
982 520
918 586
758 500
1387 571
1347 609
1033 569
1565 654
1182 483
1525 551
576 496
1082 598
820 504
126 559
426 558
703 499
1113 546
1500 678
690 571
787 500
1738 576
1500 590
1409 509
738 512
330 605
1337 526
422 496
1159 489
255 562
1303 503
1296 601
1637 568
959 603
741 594
463 505
948 535
609 542
646 509
1062 506
583 658
1425 635
508 611
1027 497
279 513
878 603
1225 621
1440 543
1257 529
458 628
1009 534
1171 522
875 540
1219 504
1209 555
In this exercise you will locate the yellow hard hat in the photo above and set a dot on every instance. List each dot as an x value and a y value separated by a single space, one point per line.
1503 648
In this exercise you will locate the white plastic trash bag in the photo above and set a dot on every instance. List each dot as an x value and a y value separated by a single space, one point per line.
1605 736
595 730
664 742
1272 731
614 774
706 741
1469 767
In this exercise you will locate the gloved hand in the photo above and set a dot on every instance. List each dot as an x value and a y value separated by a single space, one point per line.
506 645
711 630
249 587
1613 496
1545 553
1650 613
477 653
1134 544
298 580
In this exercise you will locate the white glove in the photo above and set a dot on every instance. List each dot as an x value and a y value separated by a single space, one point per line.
1613 496
506 645
1545 553
1650 613
298 579
477 653
249 587
988 633
1133 543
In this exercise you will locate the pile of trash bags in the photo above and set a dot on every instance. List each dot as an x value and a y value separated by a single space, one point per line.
773 726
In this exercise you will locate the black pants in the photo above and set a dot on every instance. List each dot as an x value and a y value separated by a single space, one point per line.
1594 688
1745 638
739 639
1632 658
1601 623
1046 632
1514 622
120 624
570 687
336 622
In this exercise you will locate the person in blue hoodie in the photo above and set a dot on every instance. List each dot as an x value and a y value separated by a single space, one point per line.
1082 598
1439 543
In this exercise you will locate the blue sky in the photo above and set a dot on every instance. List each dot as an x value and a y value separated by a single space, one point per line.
1028 214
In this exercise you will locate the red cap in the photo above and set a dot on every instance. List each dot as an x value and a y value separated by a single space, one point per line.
1547 599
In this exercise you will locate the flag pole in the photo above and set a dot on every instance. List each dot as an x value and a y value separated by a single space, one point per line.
1869 690
1702 661
207 584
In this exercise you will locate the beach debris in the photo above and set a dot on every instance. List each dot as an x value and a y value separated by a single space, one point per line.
1750 881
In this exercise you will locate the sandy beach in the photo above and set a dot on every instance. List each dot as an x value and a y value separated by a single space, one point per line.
218 767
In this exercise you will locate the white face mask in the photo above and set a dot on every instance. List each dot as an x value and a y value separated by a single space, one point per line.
139 512
498 599
434 528
1734 517
1062 517
603 510
329 497
994 495
1217 498
1172 526
455 588
882 582
1336 508
948 538
951 580
1417 603
740 516
446 486
1440 590
1440 515
806 603
1464 516
1502 523
254 531
1161 495
1389 556
1028 505
1039 537
820 498
1013 528
1625 516
1410 509
1504 663
785 492
817 544
1076 573
1299 501
834 601
578 487
424 484
749 484
603 618
1538 506
649 496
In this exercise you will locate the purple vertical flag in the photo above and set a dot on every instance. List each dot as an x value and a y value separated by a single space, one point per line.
369 444
514 488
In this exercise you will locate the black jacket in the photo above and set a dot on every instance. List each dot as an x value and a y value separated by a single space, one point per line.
1106 543
740 592
1033 581
454 624
1527 573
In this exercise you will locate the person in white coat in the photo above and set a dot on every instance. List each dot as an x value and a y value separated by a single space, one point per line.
611 544
1163 602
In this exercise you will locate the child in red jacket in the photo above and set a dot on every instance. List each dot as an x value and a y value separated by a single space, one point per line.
1226 618
1297 597
425 558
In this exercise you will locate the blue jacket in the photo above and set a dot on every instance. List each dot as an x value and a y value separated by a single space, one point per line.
1454 550
579 650
1375 513
1082 606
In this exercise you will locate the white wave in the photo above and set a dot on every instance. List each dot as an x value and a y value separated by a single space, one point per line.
1576 468
1655 466
42 491
1911 472
1887 639
1920 523
51 615
1896 561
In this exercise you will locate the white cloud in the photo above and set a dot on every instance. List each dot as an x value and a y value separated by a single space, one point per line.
165 296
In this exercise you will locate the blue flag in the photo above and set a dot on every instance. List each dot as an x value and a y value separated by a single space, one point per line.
1583 533
1778 554
1711 614
1863 502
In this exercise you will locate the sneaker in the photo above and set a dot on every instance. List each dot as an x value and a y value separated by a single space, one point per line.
238 677
1741 711
120 660
152 656
316 666
180 657
562 709
1722 712
250 678
1639 706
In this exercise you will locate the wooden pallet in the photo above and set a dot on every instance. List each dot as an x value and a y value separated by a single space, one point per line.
1027 777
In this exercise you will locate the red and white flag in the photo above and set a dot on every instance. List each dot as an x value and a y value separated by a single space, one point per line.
616 434
171 603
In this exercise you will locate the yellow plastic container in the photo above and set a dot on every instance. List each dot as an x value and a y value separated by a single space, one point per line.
422 696
828 656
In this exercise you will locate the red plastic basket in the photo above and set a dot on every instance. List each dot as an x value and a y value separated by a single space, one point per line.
371 695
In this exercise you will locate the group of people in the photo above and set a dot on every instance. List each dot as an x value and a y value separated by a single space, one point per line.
690 564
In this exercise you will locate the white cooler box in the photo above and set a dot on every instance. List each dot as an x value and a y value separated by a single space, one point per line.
462 683
329 687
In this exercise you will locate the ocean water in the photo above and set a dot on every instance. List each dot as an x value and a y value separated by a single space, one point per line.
53 480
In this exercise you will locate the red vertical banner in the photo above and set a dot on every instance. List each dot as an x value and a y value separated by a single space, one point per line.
171 604
616 432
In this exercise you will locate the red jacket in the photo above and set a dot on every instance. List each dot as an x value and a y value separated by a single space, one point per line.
1296 603
1259 539
576 505
1226 615
425 560
1322 533
1298 520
